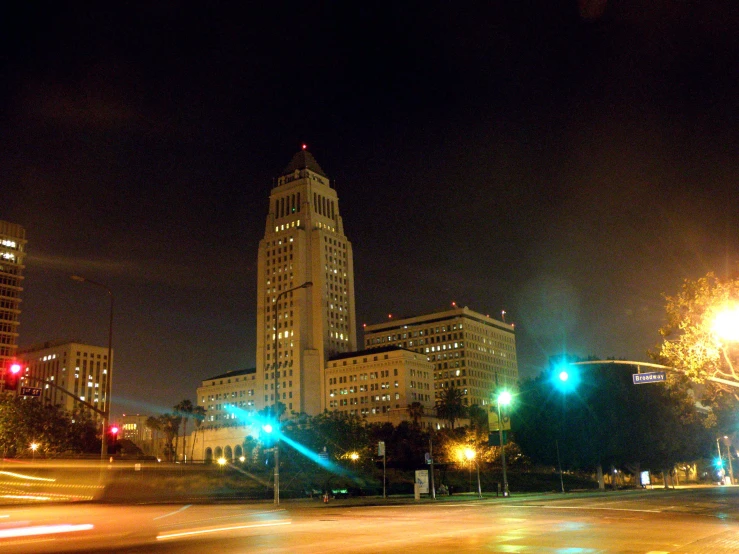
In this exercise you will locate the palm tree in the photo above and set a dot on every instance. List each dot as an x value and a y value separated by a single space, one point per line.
170 425
198 416
155 425
451 405
184 410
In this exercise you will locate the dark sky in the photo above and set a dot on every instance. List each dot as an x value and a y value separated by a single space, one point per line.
567 162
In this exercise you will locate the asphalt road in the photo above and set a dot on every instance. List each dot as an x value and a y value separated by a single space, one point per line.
696 520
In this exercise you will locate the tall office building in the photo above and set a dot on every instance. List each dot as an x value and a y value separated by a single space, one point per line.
469 350
298 330
12 253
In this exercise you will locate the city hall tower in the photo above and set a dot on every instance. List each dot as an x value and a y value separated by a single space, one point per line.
298 329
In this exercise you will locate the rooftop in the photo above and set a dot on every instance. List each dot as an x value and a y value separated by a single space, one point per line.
369 352
232 373
303 160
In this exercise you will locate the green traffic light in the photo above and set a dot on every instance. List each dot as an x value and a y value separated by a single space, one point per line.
566 379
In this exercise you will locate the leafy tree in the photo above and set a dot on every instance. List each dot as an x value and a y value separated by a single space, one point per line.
184 410
56 431
415 412
478 420
692 342
610 421
83 432
451 406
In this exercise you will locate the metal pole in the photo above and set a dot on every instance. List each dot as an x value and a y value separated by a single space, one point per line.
559 464
431 454
728 455
276 376
109 378
384 489
275 412
502 451
479 487
720 460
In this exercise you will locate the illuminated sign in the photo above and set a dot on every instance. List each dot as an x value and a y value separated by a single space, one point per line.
653 377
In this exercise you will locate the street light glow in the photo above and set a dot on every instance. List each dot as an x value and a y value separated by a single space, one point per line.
469 453
504 398
726 324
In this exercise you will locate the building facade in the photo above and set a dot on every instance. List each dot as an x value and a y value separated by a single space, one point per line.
380 385
12 254
80 369
468 350
133 428
219 396
298 329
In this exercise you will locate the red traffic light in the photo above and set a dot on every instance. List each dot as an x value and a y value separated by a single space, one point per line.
113 430
11 376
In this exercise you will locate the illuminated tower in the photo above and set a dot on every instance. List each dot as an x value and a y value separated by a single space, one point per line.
303 242
12 252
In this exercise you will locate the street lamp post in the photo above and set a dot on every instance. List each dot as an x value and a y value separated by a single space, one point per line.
275 411
727 442
720 459
505 399
109 379
471 456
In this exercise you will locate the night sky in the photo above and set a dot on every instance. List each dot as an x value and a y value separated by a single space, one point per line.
566 162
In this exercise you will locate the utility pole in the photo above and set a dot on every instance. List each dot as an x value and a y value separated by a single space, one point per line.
431 458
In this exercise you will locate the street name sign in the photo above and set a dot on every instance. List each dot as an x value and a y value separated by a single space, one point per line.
652 377
30 391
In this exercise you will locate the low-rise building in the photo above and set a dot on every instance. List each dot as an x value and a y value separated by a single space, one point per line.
468 350
219 394
133 428
381 385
